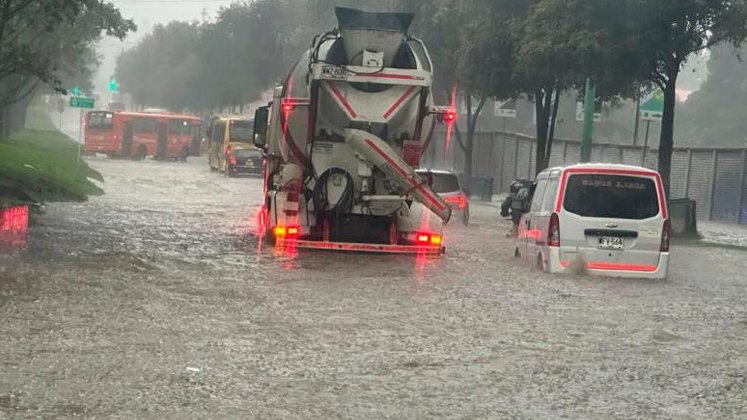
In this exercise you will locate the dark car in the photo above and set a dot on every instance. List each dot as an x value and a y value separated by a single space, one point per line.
247 160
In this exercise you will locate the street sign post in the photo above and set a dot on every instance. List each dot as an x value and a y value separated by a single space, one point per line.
81 102
505 109
652 106
652 109
588 131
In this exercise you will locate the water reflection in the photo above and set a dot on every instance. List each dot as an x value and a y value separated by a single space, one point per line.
14 226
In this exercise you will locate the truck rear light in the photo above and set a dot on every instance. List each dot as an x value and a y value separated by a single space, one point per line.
553 231
665 234
424 238
287 231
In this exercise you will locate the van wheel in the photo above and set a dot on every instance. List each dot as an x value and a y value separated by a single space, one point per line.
540 262
142 152
465 218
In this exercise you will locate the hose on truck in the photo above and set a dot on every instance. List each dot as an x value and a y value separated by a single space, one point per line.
320 195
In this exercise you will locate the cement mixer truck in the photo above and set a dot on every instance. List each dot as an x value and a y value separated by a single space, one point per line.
343 137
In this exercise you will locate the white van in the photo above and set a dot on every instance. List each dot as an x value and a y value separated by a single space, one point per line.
605 219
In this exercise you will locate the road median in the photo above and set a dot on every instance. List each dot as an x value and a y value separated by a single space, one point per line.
40 165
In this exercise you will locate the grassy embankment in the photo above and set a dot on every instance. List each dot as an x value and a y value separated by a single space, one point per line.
40 165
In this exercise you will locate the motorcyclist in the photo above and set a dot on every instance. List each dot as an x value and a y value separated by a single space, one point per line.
517 202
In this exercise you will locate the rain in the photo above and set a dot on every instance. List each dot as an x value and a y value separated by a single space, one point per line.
359 209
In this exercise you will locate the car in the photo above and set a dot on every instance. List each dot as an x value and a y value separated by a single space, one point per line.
244 160
447 185
603 219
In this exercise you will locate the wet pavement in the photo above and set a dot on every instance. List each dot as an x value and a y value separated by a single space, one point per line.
155 301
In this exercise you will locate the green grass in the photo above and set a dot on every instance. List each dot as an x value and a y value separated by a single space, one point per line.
41 165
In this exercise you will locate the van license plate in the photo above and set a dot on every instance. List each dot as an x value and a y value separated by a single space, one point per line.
610 242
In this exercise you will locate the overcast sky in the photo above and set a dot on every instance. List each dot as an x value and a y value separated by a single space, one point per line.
147 13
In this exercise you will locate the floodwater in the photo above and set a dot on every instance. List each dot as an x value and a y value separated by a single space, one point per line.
155 301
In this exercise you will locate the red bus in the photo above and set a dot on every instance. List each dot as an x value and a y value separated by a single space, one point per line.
141 134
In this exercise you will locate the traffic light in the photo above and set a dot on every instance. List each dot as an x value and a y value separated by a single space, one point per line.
113 85
75 90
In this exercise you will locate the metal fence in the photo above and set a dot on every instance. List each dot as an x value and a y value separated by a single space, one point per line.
713 177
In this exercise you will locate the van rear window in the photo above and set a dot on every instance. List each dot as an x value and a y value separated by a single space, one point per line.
611 196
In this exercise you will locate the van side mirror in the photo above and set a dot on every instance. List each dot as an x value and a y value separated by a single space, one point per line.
261 119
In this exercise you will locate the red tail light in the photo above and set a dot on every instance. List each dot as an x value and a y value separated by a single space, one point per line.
287 107
459 200
428 239
232 160
553 232
290 231
450 116
665 234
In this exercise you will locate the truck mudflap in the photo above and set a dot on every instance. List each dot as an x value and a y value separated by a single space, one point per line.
361 247
380 154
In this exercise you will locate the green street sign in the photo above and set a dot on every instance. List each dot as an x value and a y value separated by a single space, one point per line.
652 107
81 102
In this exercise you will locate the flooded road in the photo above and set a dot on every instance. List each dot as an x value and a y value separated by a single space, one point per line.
155 301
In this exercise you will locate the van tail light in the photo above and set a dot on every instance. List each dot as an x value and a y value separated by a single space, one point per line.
553 231
665 234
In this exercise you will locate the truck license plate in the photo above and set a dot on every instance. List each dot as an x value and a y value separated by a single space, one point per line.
610 242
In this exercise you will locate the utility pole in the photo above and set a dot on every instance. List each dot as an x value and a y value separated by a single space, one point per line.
637 125
588 132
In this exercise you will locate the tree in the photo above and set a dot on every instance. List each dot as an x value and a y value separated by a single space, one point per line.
542 48
159 71
668 33
38 39
444 26
717 110
228 63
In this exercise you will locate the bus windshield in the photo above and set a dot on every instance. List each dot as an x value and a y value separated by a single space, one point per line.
241 131
100 120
